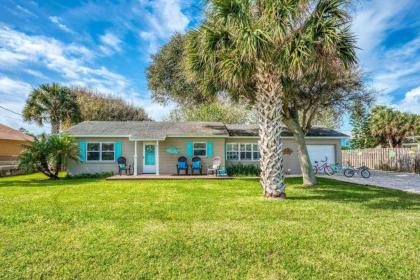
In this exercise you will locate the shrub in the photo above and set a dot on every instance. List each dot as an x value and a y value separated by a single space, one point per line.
48 154
243 170
91 175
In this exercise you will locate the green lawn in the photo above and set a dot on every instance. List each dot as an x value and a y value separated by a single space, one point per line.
205 229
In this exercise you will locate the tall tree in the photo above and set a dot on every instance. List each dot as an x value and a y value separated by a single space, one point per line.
249 48
52 103
392 127
332 88
361 135
217 111
95 106
167 78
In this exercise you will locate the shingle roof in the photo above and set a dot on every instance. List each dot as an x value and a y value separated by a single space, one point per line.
8 133
148 130
161 130
252 130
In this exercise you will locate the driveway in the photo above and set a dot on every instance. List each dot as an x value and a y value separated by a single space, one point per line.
408 182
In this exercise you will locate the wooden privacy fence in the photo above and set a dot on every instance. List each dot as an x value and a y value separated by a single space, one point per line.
388 159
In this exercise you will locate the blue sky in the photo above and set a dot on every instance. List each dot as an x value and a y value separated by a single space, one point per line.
106 45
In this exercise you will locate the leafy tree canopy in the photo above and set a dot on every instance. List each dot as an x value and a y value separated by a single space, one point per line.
361 134
95 106
217 111
167 78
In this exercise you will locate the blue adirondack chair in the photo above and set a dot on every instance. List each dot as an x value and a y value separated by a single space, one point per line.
182 165
196 165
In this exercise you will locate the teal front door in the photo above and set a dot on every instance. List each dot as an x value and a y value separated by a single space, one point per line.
149 158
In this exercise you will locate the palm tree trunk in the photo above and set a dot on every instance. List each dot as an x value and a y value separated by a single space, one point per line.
269 106
55 127
308 174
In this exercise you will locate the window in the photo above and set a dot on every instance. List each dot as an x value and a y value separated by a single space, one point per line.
246 151
232 152
93 151
242 151
107 151
256 152
199 149
100 151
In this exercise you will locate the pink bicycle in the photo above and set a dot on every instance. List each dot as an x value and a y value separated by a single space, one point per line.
318 167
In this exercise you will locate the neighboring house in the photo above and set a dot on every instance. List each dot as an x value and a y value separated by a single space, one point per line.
154 147
346 142
412 142
11 141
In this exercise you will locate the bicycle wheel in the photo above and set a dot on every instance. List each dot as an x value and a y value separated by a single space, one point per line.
328 170
348 172
315 170
365 173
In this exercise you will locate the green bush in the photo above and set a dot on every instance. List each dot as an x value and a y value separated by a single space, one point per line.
91 175
243 170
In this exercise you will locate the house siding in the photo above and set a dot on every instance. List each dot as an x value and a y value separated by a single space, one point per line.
75 168
167 162
290 161
10 149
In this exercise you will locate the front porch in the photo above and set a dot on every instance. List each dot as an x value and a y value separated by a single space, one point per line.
167 177
155 157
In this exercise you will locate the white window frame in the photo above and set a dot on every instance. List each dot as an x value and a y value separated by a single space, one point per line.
205 149
239 151
100 152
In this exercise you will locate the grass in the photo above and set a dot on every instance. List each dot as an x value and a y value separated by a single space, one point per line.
198 229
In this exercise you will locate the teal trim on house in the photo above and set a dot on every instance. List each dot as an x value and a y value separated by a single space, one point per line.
210 149
118 149
82 151
189 149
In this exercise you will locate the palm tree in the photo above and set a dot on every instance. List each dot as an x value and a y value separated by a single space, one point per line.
48 154
391 127
52 103
250 47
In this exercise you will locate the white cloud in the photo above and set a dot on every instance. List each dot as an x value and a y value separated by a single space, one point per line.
69 61
13 89
111 43
411 101
36 74
12 94
56 20
24 10
373 19
391 67
164 18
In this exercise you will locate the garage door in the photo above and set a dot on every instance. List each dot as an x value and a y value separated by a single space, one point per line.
320 152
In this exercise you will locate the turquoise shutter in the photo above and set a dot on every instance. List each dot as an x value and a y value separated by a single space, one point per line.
189 149
118 149
82 151
210 149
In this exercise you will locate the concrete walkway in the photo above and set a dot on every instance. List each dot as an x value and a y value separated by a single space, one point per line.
408 182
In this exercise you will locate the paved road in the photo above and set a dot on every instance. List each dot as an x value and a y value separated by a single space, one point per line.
393 180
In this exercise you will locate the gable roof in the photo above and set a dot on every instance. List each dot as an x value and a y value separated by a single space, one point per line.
148 130
8 133
252 130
